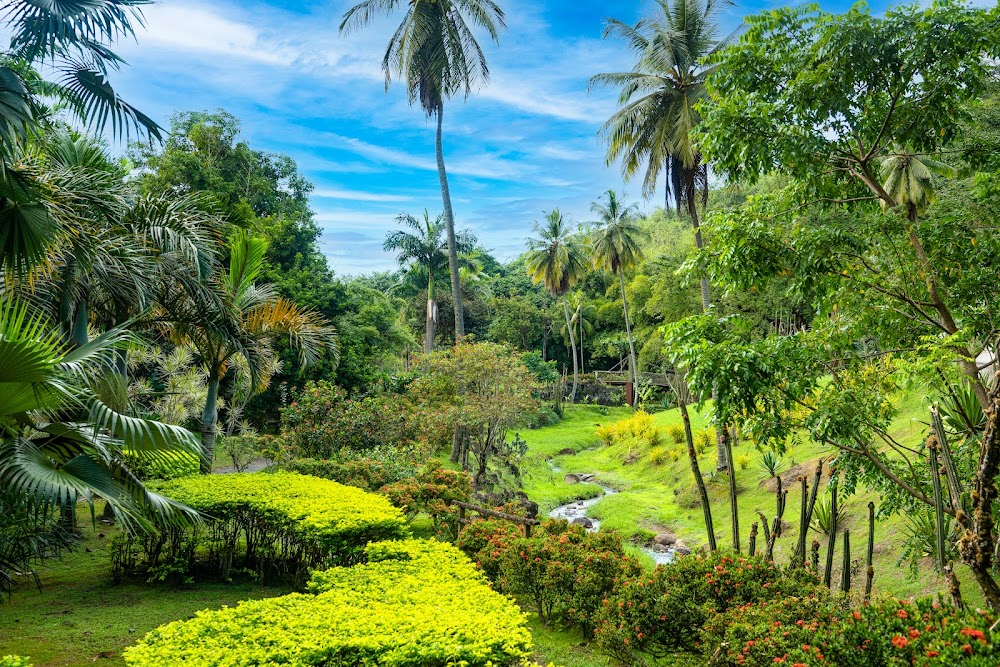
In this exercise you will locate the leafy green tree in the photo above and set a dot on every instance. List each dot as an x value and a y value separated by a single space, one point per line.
435 53
233 327
894 291
424 252
556 259
617 247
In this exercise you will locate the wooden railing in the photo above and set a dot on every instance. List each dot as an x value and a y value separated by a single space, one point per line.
621 377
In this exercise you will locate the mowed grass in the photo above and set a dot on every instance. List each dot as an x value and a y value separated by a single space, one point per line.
80 617
658 493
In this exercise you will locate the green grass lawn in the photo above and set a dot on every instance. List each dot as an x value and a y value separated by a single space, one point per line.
661 497
81 617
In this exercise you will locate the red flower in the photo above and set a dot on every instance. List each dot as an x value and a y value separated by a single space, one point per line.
967 648
975 634
932 654
899 642
914 634
901 613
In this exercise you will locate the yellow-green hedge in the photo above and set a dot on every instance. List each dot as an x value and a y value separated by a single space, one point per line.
414 604
270 523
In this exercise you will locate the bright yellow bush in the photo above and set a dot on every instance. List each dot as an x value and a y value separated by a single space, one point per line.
414 604
279 522
659 455
607 434
676 433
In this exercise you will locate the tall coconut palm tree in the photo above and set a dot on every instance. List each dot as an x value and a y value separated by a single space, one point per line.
435 53
617 247
556 259
582 321
424 251
231 325
659 97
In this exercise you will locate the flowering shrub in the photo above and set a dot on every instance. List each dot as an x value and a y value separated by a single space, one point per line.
637 429
663 612
564 571
322 421
280 523
432 491
369 470
894 633
414 604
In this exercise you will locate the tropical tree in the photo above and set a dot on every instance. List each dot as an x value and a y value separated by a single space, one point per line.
556 259
232 324
69 40
435 53
424 252
908 179
59 443
617 247
659 99
582 321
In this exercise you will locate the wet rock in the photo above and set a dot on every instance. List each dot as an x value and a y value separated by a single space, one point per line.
568 451
681 549
586 477
665 539
571 479
583 521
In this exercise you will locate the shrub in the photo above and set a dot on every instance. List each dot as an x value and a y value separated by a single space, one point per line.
485 542
241 449
370 470
676 453
743 461
278 523
414 604
432 491
14 661
322 421
676 433
663 612
607 433
891 633
168 465
564 571
703 439
659 455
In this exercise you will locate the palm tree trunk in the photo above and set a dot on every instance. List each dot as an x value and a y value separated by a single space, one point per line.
583 365
431 316
80 321
572 345
632 364
209 419
722 452
449 223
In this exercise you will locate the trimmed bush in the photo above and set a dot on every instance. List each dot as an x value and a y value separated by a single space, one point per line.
414 604
167 466
14 661
268 523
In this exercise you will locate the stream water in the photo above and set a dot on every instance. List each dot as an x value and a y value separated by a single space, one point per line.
578 510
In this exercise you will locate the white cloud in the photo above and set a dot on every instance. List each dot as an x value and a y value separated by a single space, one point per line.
357 195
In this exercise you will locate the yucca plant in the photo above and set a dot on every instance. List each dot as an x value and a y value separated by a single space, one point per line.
771 463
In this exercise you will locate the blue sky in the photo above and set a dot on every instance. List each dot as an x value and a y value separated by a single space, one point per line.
526 143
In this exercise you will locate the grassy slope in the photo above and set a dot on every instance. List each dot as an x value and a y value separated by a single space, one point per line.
80 616
658 497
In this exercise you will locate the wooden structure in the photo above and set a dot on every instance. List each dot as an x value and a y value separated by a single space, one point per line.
525 522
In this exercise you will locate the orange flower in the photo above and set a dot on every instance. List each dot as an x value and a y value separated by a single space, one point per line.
899 641
914 634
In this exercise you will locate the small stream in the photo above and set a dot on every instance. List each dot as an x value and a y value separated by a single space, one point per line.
577 509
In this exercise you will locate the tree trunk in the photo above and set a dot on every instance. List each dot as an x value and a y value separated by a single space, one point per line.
633 365
706 506
692 206
209 420
431 316
81 319
976 542
572 345
727 447
449 222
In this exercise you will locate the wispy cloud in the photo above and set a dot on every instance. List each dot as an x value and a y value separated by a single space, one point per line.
358 195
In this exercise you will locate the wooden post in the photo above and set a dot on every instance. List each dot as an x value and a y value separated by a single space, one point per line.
932 453
800 550
753 539
815 556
